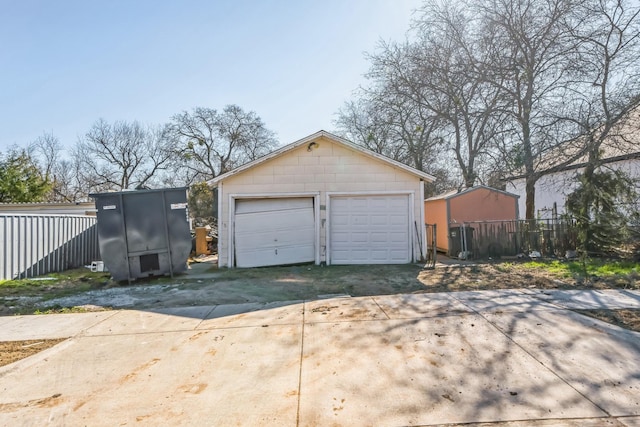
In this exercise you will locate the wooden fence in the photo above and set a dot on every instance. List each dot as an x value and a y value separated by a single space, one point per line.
432 249
494 239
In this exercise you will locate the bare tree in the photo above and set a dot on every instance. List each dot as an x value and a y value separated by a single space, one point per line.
453 57
47 149
120 156
443 107
211 142
608 114
533 48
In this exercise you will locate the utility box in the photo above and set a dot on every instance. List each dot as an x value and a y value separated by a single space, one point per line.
144 232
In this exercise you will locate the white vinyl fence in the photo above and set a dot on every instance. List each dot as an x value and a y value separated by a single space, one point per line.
32 245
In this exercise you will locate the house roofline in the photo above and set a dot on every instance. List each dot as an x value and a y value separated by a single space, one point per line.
630 156
448 195
423 175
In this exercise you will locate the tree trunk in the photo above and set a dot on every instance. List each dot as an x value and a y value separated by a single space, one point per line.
530 191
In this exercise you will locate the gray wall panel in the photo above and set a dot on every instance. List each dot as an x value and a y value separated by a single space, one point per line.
33 245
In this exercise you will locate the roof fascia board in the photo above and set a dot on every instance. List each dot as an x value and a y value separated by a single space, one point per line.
447 196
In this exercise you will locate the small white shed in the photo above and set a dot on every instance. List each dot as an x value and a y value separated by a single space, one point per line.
321 199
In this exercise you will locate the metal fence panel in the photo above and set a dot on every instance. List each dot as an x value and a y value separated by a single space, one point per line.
32 245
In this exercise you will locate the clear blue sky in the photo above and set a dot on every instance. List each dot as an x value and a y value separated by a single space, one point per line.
64 64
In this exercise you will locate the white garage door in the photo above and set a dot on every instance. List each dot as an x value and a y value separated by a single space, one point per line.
369 230
274 232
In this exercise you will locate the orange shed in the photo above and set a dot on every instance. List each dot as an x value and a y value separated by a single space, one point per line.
479 203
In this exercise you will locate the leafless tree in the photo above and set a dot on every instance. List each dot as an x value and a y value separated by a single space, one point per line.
210 143
444 108
63 173
121 155
534 48
608 76
48 150
607 111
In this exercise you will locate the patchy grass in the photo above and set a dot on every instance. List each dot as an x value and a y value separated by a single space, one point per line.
595 269
54 285
66 291
57 309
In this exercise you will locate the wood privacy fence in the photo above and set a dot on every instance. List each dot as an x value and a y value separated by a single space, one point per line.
511 238
32 245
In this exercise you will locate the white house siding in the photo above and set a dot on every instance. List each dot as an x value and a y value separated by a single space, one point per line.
328 169
556 187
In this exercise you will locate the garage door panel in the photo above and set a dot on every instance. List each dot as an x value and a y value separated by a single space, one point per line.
397 254
340 238
266 205
397 220
358 204
280 237
379 203
265 235
293 255
369 229
359 254
360 237
380 255
340 220
399 238
380 237
359 219
379 220
256 221
397 203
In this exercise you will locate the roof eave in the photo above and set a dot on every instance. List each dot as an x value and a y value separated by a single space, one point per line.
423 175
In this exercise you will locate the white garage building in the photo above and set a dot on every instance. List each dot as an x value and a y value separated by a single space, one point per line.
321 199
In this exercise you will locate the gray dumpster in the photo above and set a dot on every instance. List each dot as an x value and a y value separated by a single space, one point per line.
144 232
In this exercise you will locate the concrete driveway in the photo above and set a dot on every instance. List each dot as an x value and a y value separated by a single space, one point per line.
519 357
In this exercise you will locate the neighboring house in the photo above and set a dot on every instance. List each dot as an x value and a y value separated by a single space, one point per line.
450 210
321 199
620 152
79 208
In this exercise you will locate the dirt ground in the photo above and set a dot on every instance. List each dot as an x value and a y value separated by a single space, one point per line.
12 351
205 285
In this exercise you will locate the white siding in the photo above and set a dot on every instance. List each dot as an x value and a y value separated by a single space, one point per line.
556 187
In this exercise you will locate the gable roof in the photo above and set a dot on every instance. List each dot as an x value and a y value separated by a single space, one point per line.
311 138
455 193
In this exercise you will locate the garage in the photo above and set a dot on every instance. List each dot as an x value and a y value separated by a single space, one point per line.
370 230
274 231
322 200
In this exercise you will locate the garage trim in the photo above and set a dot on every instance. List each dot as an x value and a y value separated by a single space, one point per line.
410 231
232 213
